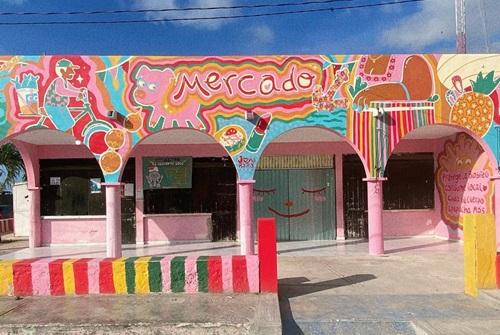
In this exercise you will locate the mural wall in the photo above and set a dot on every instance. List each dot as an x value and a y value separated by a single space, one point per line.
110 103
132 275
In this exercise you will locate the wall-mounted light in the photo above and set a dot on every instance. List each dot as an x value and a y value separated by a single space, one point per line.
78 142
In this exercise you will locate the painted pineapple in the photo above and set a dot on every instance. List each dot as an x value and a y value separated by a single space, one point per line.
474 110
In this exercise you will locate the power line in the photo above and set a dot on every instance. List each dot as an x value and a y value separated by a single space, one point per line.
162 10
330 9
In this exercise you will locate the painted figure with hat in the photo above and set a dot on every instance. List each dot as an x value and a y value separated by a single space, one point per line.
59 93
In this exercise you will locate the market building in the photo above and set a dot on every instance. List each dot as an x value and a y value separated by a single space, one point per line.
138 149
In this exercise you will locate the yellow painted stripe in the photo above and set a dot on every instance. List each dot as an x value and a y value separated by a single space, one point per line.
119 275
142 275
7 276
69 276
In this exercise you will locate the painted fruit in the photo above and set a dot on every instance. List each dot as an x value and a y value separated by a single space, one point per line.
133 122
474 110
110 162
114 139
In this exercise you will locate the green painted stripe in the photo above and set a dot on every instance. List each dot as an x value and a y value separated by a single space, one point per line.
202 270
130 274
178 274
154 269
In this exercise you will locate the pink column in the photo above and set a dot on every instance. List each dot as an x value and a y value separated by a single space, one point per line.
375 224
113 220
35 236
245 213
496 209
139 203
339 197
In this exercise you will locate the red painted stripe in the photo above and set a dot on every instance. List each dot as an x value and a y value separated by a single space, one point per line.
266 231
23 284
106 284
240 275
215 274
407 123
367 138
57 277
81 273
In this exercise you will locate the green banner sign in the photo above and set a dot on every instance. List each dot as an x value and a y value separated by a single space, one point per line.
166 172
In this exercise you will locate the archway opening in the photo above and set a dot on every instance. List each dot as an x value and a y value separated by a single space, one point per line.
185 188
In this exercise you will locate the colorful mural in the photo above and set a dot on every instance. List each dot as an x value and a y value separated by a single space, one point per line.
170 274
110 103
464 181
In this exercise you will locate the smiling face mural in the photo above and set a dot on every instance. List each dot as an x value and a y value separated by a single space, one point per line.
302 201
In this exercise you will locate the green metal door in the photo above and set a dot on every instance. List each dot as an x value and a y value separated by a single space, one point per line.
270 193
311 204
301 200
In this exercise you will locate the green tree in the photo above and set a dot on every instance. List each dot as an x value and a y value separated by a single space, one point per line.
13 165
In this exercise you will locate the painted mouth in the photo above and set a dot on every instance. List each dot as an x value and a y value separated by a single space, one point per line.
289 215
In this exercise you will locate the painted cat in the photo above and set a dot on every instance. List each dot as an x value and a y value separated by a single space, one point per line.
152 89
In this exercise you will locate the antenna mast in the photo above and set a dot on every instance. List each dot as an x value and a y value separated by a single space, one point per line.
460 25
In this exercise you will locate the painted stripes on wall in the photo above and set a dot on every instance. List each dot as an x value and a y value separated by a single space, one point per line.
376 138
132 275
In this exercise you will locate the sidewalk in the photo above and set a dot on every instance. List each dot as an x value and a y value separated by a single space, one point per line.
416 288
331 287
142 314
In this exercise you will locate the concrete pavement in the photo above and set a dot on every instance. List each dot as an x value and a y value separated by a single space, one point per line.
330 287
417 289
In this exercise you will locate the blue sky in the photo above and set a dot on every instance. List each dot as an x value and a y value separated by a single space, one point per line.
423 26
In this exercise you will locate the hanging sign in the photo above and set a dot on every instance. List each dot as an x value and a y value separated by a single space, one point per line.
167 172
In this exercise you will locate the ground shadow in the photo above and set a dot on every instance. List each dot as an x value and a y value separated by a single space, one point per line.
297 286
333 244
420 246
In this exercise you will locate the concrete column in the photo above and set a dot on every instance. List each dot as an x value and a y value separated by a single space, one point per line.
139 203
375 224
245 212
339 197
496 209
35 228
113 220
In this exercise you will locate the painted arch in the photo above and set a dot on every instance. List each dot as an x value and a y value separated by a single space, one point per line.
111 103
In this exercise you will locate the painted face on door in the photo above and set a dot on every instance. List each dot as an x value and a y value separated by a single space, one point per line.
290 208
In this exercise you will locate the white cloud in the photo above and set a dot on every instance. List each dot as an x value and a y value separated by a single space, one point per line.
435 23
204 24
262 34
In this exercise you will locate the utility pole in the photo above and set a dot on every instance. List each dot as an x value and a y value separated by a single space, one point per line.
460 26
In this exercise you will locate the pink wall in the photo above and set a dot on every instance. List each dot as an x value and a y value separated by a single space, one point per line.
73 230
63 151
177 227
168 228
409 222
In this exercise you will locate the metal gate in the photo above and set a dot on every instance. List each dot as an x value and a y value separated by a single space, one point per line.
355 197
128 221
128 205
301 200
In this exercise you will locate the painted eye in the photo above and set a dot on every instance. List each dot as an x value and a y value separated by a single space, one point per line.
318 191
152 87
459 162
141 83
468 161
263 192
